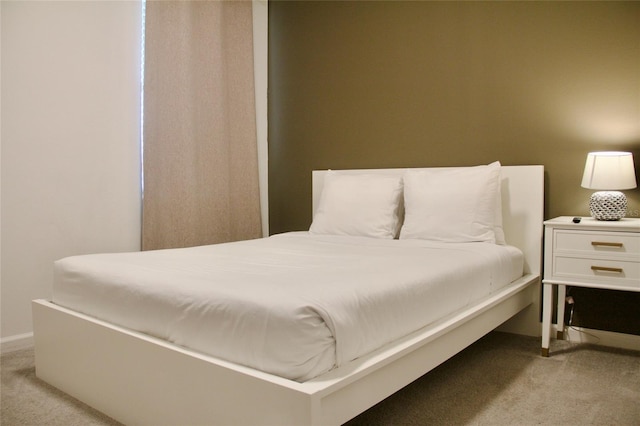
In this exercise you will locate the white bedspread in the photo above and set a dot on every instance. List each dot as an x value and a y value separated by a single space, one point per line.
295 305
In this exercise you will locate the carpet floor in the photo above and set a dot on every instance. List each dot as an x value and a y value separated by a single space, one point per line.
499 380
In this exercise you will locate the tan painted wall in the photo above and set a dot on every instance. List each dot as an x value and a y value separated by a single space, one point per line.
396 84
389 84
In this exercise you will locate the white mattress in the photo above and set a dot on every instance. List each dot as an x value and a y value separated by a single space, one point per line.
295 305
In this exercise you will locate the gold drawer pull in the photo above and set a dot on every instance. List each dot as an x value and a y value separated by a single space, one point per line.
606 244
606 269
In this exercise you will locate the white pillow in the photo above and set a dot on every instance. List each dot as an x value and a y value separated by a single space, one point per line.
359 205
452 204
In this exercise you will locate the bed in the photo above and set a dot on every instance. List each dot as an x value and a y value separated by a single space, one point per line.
144 378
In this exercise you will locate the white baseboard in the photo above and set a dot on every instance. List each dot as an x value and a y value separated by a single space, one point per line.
16 343
603 338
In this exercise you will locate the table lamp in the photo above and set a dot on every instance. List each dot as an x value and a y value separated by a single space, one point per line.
609 172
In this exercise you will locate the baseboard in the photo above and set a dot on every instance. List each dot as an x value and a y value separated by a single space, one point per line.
524 323
16 343
603 338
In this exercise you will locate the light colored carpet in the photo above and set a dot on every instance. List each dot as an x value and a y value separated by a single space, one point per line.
499 380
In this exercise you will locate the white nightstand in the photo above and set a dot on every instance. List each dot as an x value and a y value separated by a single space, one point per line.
591 253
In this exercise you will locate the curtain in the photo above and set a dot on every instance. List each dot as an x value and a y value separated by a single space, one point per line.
200 169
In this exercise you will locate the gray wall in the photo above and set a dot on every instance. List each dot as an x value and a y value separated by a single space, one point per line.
400 84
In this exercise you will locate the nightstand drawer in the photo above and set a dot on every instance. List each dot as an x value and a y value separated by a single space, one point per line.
610 243
597 270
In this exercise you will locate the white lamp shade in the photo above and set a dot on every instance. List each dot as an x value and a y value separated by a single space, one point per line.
609 170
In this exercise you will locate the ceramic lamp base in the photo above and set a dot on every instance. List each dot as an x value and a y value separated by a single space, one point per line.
608 205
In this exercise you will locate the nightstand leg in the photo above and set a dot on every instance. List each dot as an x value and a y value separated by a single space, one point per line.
547 308
562 295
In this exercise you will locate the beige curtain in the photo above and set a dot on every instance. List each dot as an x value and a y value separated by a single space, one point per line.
200 157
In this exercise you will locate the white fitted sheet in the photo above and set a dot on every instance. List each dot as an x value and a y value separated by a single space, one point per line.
295 304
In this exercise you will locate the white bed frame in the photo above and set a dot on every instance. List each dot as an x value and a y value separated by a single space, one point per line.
137 379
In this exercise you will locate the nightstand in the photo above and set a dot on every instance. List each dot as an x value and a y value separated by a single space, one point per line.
592 253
